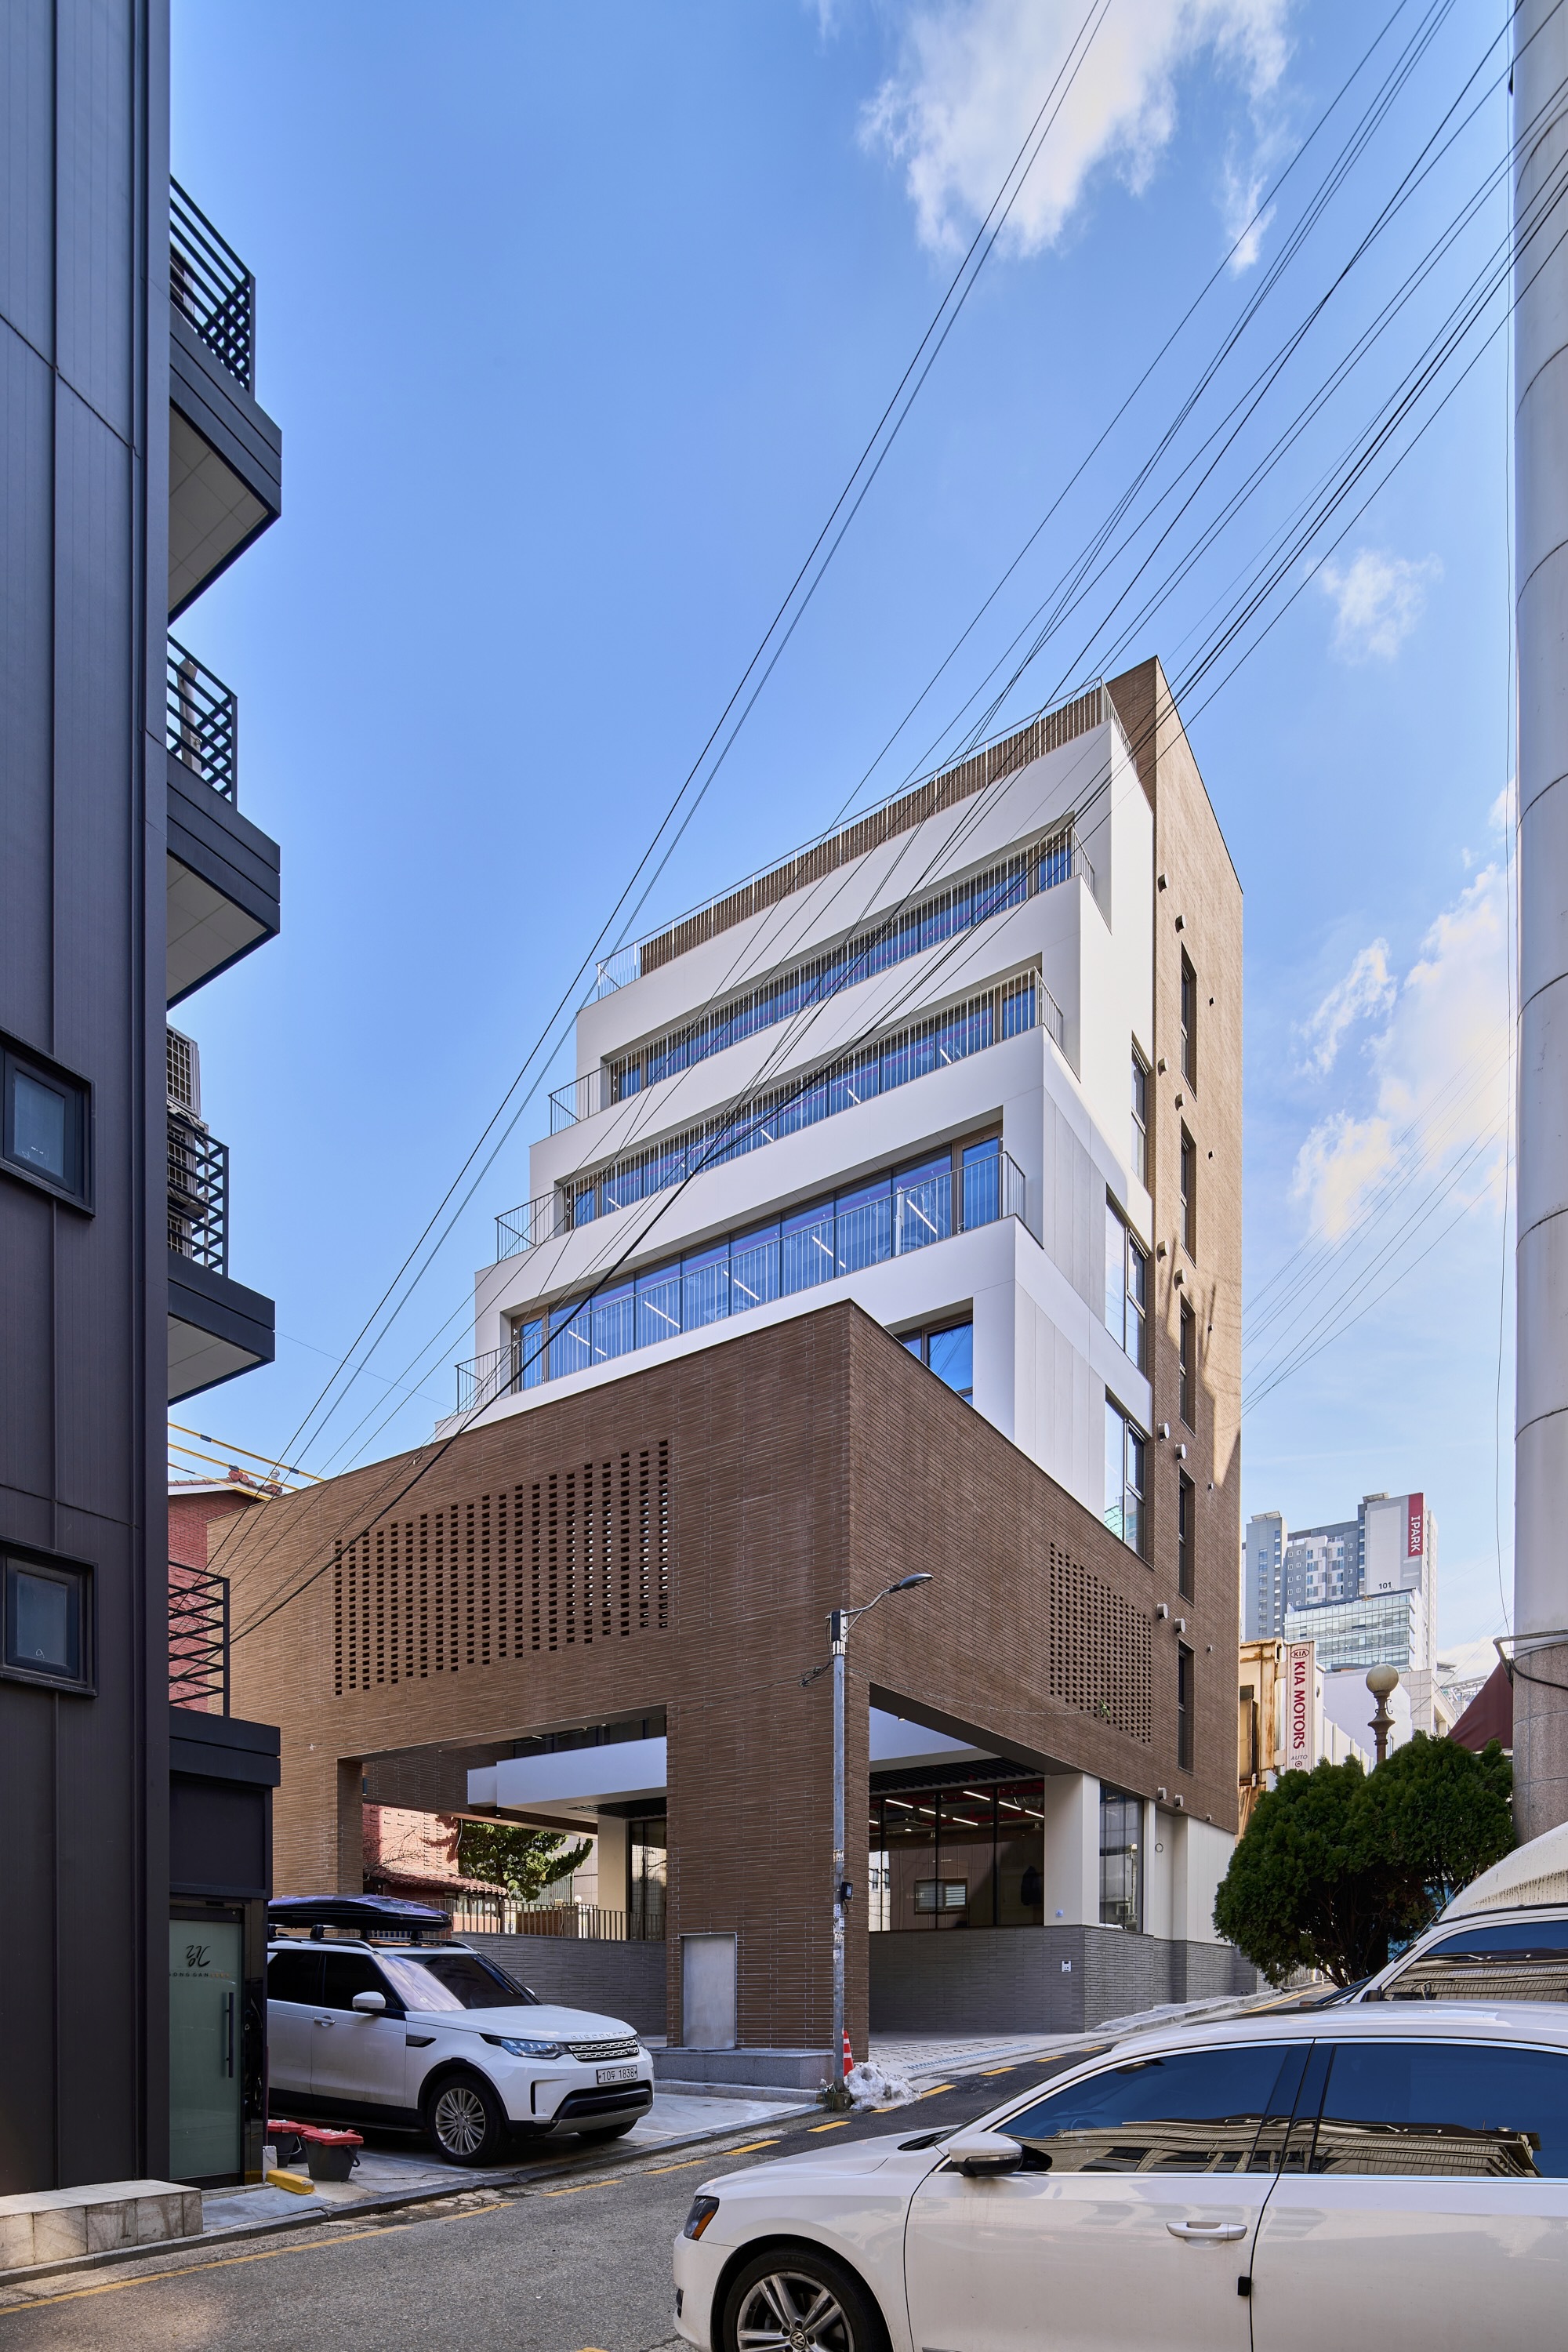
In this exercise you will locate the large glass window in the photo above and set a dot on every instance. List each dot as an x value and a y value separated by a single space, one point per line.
648 1847
967 1856
1189 1195
1186 1666
1125 1449
922 1203
808 1248
1185 1502
705 1286
949 1352
1126 1284
1445 2108
1192 2111
754 1268
981 1173
1189 1023
1140 1116
1120 1860
1189 1344
863 1225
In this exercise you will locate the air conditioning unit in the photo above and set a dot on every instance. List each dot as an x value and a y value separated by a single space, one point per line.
185 1074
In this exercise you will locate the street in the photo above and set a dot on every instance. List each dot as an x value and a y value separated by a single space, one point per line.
561 2267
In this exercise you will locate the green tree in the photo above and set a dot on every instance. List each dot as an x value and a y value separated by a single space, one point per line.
1338 1865
524 1862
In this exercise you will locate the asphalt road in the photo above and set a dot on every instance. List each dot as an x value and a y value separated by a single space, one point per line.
575 2259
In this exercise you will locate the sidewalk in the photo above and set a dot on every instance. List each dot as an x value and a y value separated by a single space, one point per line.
919 2057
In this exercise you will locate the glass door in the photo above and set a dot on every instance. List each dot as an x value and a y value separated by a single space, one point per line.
206 1961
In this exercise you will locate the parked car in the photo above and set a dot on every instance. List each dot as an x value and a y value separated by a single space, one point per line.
1388 2176
1504 1955
437 2036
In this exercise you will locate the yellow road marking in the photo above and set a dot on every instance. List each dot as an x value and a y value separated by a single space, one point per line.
934 2089
690 2162
1001 2070
835 2127
611 2180
751 2146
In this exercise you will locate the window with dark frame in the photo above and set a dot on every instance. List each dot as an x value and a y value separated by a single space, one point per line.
1125 1452
1189 1194
1189 1023
44 1125
1185 1666
49 1621
1126 1286
1185 1536
1188 1345
949 1352
1140 1116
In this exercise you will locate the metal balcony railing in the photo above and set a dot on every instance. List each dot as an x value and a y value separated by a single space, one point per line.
211 287
724 1280
503 1915
537 1220
198 1638
202 722
198 1193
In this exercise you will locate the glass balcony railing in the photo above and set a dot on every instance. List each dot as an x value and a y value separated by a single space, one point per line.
845 1234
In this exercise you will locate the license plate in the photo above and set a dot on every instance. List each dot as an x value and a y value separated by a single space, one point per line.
617 2075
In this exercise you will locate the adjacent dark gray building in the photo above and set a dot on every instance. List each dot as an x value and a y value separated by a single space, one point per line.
137 466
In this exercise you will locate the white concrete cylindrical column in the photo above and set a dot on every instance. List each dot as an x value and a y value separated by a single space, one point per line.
1541 556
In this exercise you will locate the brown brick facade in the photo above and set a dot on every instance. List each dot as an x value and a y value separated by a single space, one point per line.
808 1463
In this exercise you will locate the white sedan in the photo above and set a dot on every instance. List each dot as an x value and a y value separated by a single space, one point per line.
1396 2177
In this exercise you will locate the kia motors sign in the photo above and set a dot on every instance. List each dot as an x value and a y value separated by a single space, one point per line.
1300 1706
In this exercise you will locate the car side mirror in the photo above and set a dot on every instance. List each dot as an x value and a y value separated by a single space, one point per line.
370 2004
979 2155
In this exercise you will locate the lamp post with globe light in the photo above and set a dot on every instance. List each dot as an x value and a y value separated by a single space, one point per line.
1381 1681
839 1622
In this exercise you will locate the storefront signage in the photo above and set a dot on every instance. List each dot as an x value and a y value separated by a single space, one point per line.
1300 1702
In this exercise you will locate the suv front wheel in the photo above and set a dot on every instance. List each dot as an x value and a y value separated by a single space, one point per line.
466 2120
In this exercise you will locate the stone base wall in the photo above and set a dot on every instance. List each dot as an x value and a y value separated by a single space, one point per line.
1038 1980
620 1980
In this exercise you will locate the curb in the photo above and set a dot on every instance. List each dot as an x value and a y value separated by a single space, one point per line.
392 2201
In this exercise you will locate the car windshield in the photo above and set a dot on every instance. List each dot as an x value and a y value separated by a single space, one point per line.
1506 1959
453 1980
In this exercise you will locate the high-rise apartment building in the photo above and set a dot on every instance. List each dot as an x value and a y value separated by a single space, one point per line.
138 466
889 1220
1364 1590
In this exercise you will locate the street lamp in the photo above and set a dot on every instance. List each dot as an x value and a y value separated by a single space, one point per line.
839 1624
1381 1681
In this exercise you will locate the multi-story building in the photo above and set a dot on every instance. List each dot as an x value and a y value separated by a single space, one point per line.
139 466
890 1219
1364 1590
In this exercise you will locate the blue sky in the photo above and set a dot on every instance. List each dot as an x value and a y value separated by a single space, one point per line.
575 322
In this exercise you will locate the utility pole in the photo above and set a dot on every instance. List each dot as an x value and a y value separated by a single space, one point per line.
839 1621
1540 1264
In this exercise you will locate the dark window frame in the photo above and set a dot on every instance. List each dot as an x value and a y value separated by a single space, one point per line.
1140 1147
17 1058
1186 1348
1186 1672
1189 1021
1186 1503
1189 1194
80 1573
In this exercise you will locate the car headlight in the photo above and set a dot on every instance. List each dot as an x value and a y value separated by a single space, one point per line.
516 2049
702 2211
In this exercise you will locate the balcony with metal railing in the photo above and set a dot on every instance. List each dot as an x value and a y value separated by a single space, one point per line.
211 287
198 1193
839 1235
226 454
198 1639
202 722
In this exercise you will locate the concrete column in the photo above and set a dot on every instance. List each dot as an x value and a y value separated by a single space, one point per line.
1072 1849
612 1862
1541 545
351 1826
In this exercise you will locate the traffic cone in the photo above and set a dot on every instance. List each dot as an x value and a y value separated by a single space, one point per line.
849 2060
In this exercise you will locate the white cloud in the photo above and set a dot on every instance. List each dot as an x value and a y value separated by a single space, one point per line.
975 74
1365 989
1441 1069
1378 600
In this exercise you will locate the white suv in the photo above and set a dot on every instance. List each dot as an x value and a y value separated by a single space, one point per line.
437 2036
